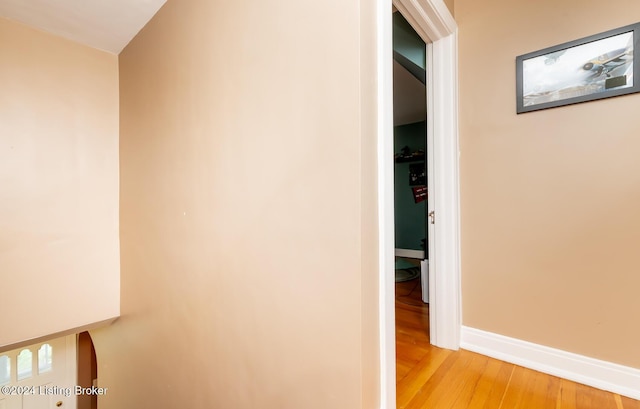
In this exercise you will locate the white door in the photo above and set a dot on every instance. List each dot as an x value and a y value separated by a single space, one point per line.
428 266
39 376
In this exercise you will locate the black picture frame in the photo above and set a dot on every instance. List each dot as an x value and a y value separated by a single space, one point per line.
565 74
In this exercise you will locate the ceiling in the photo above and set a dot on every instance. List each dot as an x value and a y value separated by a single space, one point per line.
107 25
409 97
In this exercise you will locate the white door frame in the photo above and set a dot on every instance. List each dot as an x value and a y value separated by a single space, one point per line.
432 20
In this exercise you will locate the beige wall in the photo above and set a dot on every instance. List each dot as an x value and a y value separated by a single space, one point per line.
59 256
450 5
550 221
242 219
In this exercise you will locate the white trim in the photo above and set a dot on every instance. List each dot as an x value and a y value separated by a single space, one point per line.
433 22
431 277
445 307
408 253
386 237
599 374
71 368
431 19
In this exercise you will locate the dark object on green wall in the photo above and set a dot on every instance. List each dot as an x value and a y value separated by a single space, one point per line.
417 175
420 194
407 155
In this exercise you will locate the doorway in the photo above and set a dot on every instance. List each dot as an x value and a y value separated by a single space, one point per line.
433 22
87 374
410 159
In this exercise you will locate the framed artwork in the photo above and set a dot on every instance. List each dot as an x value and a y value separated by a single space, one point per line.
595 67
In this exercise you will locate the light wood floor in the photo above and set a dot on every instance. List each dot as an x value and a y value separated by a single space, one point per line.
434 378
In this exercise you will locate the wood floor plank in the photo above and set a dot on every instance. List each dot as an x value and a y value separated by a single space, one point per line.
433 392
492 385
410 385
432 378
469 382
531 389
587 397
628 403
566 398
401 371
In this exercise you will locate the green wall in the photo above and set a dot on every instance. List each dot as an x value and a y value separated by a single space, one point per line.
407 42
410 217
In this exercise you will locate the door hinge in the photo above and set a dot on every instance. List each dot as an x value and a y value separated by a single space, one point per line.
432 217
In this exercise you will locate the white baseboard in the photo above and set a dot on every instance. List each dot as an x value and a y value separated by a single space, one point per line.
419 254
599 374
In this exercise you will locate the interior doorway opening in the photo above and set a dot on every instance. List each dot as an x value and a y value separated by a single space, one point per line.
411 193
87 370
433 22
